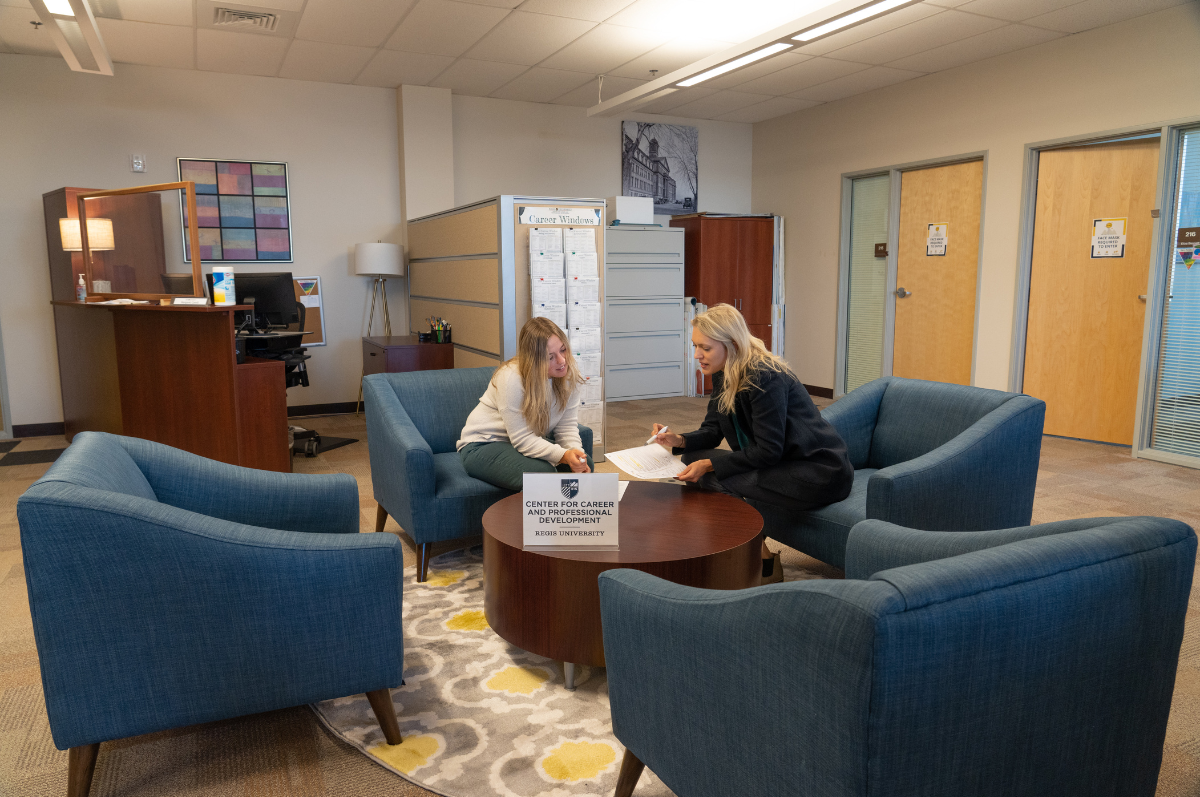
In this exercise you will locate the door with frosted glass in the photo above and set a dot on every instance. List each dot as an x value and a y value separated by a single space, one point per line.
867 298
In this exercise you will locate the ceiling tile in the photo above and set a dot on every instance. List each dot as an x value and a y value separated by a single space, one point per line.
677 98
241 53
16 3
945 3
586 95
164 12
476 78
872 27
144 43
390 68
801 76
444 28
20 36
767 66
522 38
718 103
366 23
604 47
669 57
1014 10
324 62
925 34
593 10
874 78
776 106
543 85
1096 13
495 3
709 19
986 45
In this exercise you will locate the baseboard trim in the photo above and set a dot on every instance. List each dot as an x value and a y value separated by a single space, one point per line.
819 392
38 429
336 408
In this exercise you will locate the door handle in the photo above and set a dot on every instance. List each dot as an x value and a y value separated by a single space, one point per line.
1142 296
901 293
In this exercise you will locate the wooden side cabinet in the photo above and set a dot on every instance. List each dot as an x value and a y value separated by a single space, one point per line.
387 354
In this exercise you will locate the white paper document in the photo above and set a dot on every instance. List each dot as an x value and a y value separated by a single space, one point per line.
592 389
648 462
556 312
579 239
583 289
545 239
588 364
546 264
591 414
585 339
621 488
548 291
582 264
584 314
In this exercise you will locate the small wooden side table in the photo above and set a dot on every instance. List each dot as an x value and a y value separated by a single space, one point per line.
387 354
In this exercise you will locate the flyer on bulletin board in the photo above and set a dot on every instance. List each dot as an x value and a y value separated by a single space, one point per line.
308 294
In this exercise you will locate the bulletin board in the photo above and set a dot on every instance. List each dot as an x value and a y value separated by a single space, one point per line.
308 293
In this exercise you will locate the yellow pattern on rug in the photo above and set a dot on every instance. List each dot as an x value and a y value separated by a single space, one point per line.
411 754
444 578
518 680
469 620
575 761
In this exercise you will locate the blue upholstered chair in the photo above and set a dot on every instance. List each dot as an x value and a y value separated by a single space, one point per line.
926 455
414 420
168 590
1032 661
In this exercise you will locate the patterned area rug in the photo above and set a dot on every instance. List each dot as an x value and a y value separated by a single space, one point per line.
482 717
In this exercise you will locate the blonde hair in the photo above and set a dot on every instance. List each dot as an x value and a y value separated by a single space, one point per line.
531 362
744 353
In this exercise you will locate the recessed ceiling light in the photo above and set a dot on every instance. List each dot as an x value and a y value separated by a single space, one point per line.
849 19
60 8
757 55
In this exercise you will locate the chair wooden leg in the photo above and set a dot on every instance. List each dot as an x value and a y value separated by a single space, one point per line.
423 560
631 770
81 765
380 518
385 712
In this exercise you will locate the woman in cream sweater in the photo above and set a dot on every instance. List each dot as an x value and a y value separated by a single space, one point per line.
528 419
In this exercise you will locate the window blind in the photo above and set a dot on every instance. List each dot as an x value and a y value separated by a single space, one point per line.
868 280
1176 426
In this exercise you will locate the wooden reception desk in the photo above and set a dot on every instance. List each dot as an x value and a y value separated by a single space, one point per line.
170 374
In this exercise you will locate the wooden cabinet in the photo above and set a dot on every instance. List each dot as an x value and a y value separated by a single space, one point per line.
388 354
730 260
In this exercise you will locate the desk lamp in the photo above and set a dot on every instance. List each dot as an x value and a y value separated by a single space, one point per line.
379 261
100 239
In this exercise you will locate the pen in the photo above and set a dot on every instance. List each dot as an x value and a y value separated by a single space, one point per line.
654 436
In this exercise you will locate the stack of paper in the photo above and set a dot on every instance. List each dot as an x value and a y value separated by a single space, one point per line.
583 314
648 462
582 264
546 264
583 289
555 311
548 291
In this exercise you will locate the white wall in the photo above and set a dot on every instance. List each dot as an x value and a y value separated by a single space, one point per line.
427 123
1140 72
508 147
62 128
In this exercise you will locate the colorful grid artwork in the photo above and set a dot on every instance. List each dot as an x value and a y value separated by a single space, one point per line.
242 210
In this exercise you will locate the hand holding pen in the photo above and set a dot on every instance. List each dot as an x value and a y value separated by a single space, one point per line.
664 437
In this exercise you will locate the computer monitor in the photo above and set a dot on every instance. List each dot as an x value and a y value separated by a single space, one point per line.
178 284
273 296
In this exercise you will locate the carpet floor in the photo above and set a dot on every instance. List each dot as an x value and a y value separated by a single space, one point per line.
289 752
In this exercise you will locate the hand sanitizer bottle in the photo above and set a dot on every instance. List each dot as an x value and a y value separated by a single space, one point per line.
81 290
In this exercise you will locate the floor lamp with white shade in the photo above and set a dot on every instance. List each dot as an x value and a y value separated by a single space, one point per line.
379 261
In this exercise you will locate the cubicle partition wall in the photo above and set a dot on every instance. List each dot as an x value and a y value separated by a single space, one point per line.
471 265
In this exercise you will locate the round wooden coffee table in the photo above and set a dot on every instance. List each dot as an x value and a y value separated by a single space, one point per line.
548 602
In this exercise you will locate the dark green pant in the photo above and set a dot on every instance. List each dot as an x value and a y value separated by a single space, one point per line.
502 465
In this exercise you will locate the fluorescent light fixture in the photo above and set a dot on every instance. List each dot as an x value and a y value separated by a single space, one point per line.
758 55
850 19
72 26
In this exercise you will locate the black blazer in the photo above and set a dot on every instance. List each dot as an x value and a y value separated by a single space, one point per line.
798 453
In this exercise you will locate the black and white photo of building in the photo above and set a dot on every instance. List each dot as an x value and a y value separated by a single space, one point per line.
661 161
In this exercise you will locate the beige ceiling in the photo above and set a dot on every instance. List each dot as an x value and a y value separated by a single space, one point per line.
553 50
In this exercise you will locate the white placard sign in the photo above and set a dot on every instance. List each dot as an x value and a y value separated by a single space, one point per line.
580 217
935 242
575 511
1108 237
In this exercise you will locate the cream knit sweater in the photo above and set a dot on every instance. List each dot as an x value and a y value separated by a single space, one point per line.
498 418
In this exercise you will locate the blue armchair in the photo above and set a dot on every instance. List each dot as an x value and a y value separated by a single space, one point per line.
168 589
414 420
926 455
1036 661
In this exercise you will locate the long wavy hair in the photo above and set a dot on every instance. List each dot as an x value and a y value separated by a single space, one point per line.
531 364
745 355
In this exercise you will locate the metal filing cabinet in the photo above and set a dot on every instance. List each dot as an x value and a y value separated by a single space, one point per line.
644 334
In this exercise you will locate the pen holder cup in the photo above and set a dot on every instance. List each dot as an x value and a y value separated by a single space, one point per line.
439 335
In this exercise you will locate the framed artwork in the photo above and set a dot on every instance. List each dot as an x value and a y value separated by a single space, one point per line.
243 211
663 162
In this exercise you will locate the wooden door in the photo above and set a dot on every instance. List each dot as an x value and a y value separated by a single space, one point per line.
756 251
935 321
718 274
1083 344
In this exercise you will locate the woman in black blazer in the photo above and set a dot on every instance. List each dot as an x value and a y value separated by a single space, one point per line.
783 452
